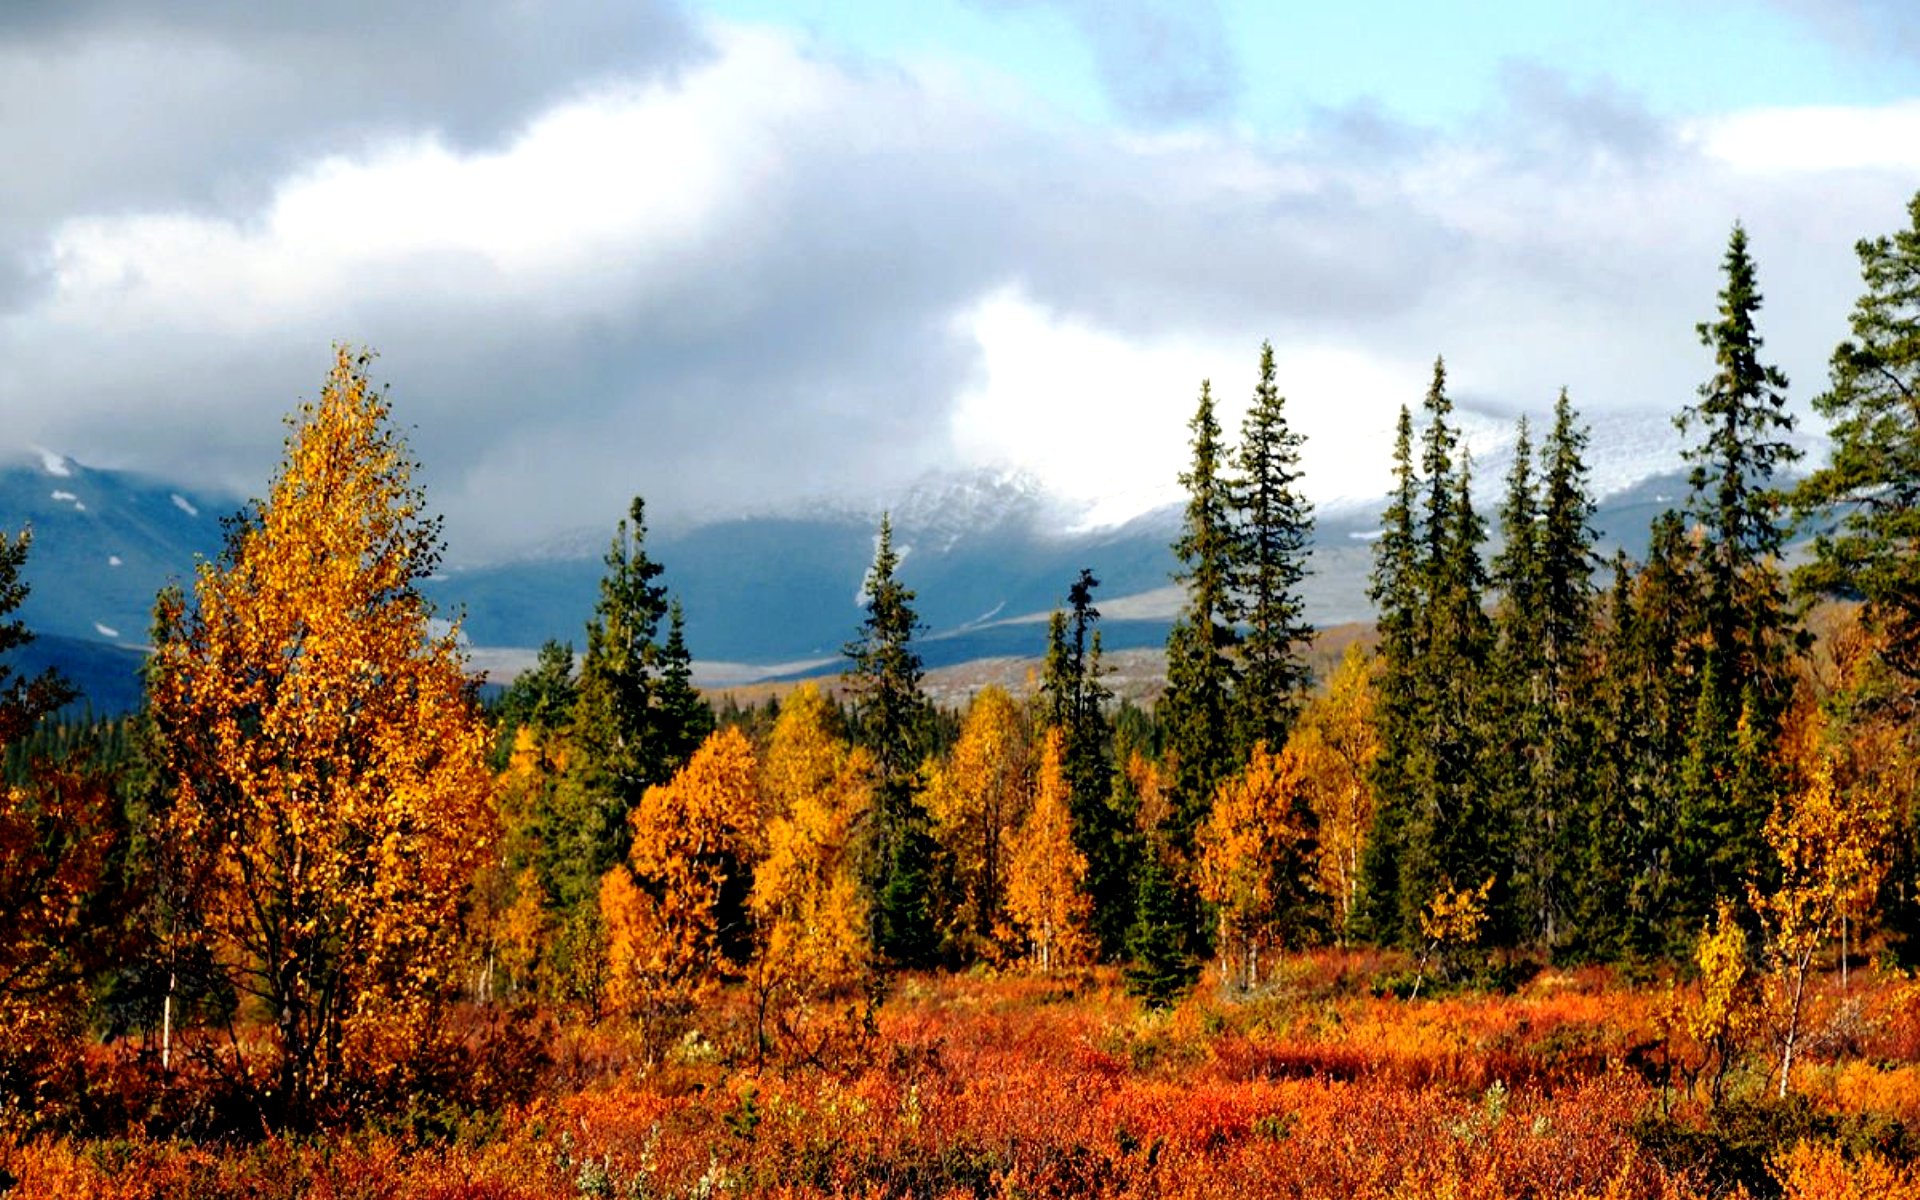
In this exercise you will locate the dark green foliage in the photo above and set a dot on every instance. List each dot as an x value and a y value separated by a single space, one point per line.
1160 970
1742 419
1395 591
23 702
620 747
1870 487
1196 711
1748 630
891 718
684 718
1538 725
1435 823
1074 700
1274 524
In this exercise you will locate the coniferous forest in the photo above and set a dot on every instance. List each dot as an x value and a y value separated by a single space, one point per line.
1581 877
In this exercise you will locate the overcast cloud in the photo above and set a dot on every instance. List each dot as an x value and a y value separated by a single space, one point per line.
725 269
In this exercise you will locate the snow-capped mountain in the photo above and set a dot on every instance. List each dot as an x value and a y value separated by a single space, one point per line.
988 554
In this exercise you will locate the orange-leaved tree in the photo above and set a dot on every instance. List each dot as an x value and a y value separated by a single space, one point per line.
977 797
58 833
1046 894
1256 861
675 911
812 966
328 763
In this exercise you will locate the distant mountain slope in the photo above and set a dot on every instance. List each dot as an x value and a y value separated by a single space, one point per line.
765 596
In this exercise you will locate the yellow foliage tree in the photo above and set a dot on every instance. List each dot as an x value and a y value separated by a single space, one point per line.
1337 742
1250 863
1452 920
1830 849
675 911
1045 895
977 797
1723 1016
328 760
812 955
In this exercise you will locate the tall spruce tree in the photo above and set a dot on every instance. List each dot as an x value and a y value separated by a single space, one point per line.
1742 423
622 753
1396 591
1196 711
684 717
1075 702
1749 628
1870 488
1274 525
1543 627
891 717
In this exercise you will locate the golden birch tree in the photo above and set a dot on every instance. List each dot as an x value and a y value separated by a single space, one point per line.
978 797
1046 894
1829 848
675 911
1337 742
812 969
327 759
1251 865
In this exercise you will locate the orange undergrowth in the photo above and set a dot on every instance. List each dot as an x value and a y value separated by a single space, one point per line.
1018 1086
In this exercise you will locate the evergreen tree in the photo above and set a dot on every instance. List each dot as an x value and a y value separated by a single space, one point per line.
1275 523
890 718
1743 423
685 719
1871 485
1075 703
1538 725
1748 627
1160 969
614 720
1395 589
1195 713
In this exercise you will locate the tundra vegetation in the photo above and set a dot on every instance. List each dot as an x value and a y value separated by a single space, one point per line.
1582 879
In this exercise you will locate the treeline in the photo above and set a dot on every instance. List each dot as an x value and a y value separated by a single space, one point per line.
287 871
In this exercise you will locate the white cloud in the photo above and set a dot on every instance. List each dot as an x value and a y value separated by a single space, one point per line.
1815 138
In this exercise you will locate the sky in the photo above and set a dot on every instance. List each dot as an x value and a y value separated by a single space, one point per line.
742 255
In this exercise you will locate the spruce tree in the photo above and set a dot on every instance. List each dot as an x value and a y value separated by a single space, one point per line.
1074 701
1743 424
1275 523
1869 491
684 717
1161 969
1196 711
1749 628
890 717
614 719
1395 589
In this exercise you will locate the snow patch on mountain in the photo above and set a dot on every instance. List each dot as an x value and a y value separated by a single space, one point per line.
106 630
184 505
54 464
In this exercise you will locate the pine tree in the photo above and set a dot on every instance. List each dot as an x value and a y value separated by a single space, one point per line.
1275 523
890 716
1196 710
1870 488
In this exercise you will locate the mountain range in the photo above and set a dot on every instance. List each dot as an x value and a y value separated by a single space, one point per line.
775 595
